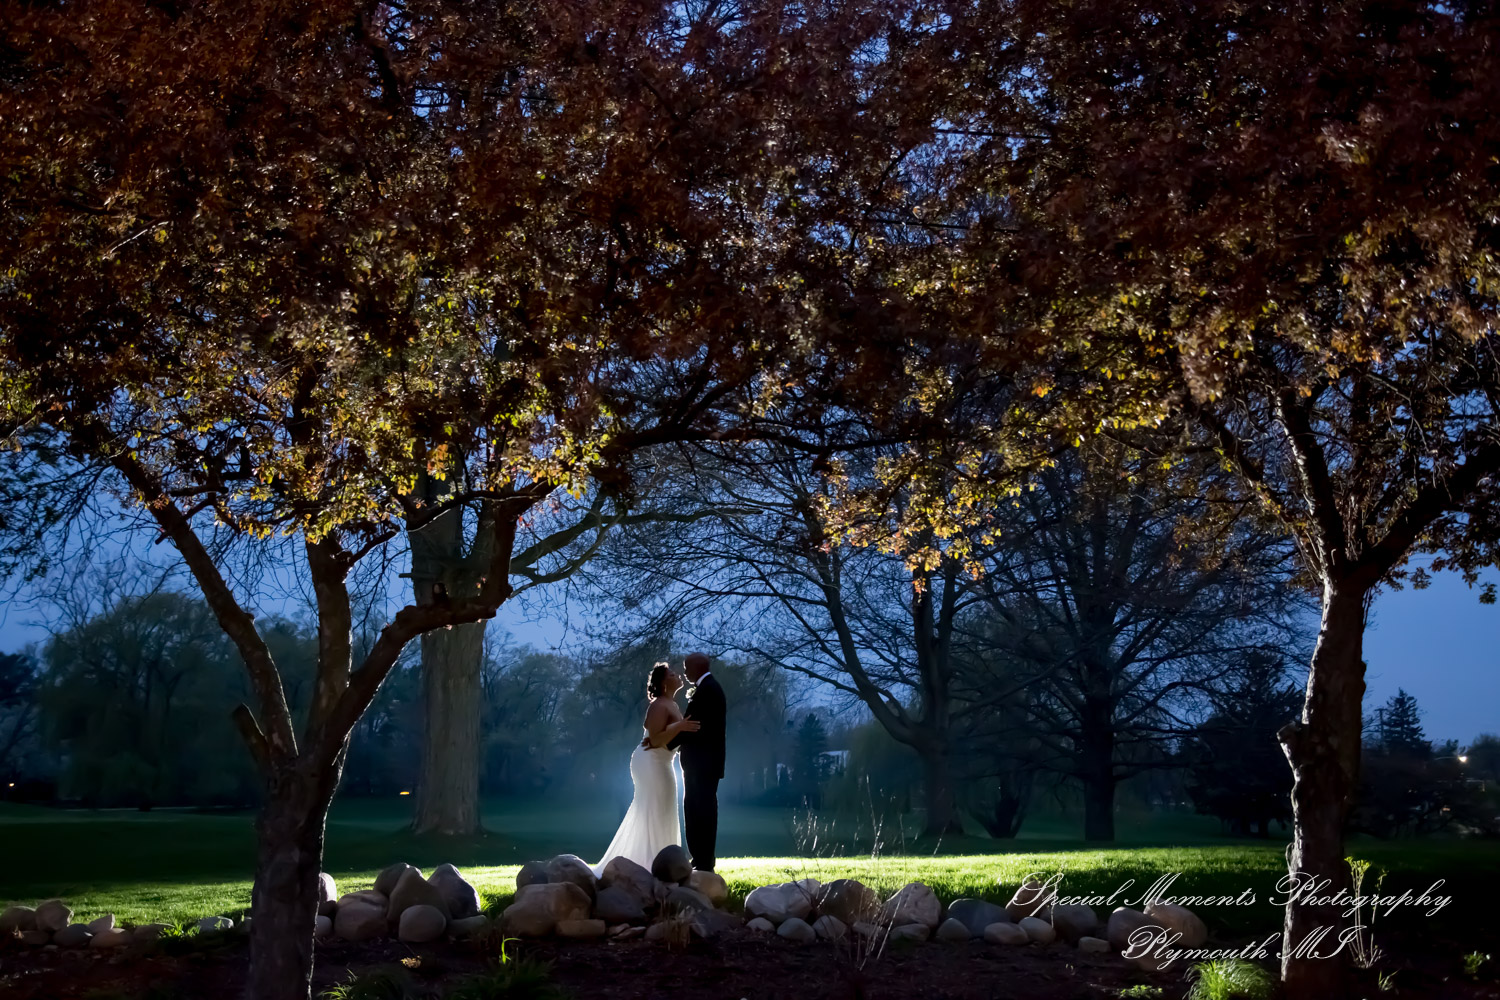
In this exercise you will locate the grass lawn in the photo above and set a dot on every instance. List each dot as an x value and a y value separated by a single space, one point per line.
169 865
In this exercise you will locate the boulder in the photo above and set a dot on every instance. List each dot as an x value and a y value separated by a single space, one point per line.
830 928
328 893
114 937
72 936
797 929
414 890
1005 932
672 864
629 877
977 914
538 908
953 930
910 932
1178 920
461 898
571 868
614 905
1073 921
360 919
865 929
913 904
17 918
214 925
466 927
711 885
148 932
35 939
365 896
628 933
684 900
385 882
531 873
712 923
323 926
761 926
420 923
1124 922
581 929
1093 944
101 924
1031 900
53 915
848 900
1037 930
779 902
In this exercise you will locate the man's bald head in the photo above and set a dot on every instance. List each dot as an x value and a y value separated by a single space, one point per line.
695 665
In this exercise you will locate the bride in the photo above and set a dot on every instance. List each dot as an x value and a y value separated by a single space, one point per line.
653 822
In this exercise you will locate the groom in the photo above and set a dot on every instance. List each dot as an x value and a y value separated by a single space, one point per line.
702 761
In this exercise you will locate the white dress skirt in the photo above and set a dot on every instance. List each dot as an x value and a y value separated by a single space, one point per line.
654 819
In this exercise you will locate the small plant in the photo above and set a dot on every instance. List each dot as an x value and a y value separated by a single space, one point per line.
1363 941
495 904
1386 981
514 979
1230 979
1473 961
377 984
1140 992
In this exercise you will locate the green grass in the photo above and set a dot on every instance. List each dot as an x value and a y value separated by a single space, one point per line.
174 866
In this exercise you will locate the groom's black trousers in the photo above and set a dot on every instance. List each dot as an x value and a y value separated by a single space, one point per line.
700 804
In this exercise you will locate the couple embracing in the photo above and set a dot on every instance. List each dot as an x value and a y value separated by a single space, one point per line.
697 735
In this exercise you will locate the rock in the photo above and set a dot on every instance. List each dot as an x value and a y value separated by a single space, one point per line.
414 890
461 898
712 923
328 891
1093 944
1037 929
114 937
101 924
629 877
467 927
1005 932
148 932
365 896
672 864
531 873
17 918
684 900
1073 921
616 906
53 915
830 928
1124 922
977 914
360 917
385 882
214 925
538 908
1031 900
1178 920
865 929
953 931
243 927
848 900
420 923
323 926
72 936
914 904
711 885
781 902
328 909
761 926
910 932
630 933
658 931
572 868
581 929
36 939
796 929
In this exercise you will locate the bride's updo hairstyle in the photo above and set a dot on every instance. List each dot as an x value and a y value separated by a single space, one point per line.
656 684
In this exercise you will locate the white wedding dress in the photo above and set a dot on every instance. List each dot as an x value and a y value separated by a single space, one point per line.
654 820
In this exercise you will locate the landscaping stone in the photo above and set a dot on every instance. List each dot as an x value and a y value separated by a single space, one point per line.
1073 921
365 896
243 927
977 914
1093 944
212 925
72 936
614 905
910 932
538 908
797 929
17 918
531 873
913 904
953 931
421 923
1031 900
461 898
1178 920
581 929
385 882
1122 923
53 915
629 877
1037 929
780 902
865 929
414 890
830 928
684 900
672 864
101 924
1005 932
712 923
323 926
630 933
328 895
711 885
360 917
113 937
466 927
849 900
761 926
148 932
36 939
571 868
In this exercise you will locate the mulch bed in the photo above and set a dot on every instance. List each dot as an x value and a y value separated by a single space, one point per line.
737 965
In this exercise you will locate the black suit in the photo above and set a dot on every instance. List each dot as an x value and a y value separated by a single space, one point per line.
702 767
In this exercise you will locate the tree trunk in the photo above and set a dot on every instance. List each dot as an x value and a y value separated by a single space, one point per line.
942 805
1323 748
1097 771
448 792
284 901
